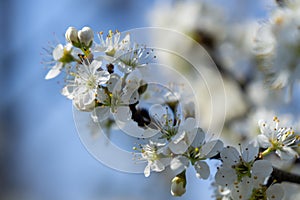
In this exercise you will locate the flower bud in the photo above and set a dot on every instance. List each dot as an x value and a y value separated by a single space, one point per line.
86 36
178 184
71 35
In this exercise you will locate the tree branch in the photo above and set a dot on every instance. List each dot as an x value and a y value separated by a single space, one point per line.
279 176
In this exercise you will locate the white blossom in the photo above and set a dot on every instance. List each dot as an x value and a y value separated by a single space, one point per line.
236 167
198 151
112 44
135 57
153 154
282 140
61 55
116 98
83 88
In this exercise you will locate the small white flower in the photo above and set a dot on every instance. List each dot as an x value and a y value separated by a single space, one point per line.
112 44
282 140
136 57
179 134
86 36
236 167
116 98
83 89
61 55
184 136
121 53
198 151
251 189
153 154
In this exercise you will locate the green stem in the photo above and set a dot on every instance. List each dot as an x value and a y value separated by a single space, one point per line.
267 152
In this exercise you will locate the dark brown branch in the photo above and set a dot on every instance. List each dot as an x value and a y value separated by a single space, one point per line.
279 176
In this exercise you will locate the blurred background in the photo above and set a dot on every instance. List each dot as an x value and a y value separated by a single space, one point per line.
41 156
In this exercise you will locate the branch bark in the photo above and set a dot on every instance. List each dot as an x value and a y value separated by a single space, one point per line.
280 176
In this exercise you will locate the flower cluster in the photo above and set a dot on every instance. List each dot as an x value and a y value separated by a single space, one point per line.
102 78
107 79
242 173
180 143
277 46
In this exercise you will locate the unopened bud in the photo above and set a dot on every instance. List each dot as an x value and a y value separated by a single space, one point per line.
71 36
178 184
86 36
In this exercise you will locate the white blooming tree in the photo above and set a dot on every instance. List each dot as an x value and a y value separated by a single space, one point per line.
258 154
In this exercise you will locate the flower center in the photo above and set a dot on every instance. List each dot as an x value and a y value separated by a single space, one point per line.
242 169
66 57
259 193
91 83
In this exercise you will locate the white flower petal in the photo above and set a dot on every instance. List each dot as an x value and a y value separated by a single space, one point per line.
178 147
286 153
125 42
188 124
101 95
54 72
179 137
179 163
113 80
58 52
275 192
123 114
132 98
212 148
78 103
157 110
250 153
262 169
263 141
202 169
100 113
147 170
157 166
199 138
230 156
95 65
165 161
242 190
68 91
88 97
103 77
225 176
